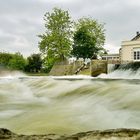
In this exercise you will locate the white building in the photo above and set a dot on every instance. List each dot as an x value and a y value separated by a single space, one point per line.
130 50
110 57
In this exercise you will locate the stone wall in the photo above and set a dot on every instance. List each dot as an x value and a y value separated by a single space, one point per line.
60 70
98 67
65 68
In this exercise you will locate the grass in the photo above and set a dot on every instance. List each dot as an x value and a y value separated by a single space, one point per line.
36 74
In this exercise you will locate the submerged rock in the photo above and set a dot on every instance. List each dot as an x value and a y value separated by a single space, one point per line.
113 134
6 134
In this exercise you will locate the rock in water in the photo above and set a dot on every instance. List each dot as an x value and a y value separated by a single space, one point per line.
6 134
113 134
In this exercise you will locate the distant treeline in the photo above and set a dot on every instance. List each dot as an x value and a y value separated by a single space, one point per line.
16 61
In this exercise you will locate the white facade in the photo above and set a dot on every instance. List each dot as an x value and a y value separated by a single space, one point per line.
110 57
130 50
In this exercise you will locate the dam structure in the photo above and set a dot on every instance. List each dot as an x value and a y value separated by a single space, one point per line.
93 68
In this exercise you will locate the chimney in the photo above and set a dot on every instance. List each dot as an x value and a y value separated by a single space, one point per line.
137 33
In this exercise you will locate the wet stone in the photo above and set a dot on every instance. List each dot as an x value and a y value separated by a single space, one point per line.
112 134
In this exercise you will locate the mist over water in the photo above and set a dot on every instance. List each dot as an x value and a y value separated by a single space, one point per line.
70 104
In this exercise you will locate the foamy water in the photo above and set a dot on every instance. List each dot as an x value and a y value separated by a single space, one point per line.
122 74
64 105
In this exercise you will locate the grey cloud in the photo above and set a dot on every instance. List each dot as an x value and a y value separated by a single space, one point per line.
22 20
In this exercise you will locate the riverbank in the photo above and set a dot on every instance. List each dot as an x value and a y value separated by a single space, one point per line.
36 74
112 134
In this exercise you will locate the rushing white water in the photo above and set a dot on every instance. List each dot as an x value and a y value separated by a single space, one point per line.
122 74
40 105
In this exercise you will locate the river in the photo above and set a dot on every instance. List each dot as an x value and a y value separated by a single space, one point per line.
69 104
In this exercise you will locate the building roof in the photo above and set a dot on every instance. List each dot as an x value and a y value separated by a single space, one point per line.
116 54
136 37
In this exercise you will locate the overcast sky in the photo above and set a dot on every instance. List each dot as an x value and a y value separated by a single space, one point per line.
22 20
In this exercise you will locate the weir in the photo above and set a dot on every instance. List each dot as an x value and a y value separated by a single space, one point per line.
93 68
68 105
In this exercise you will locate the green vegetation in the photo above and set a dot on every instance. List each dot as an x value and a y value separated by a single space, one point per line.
36 74
62 39
12 61
34 63
17 62
89 38
5 58
55 44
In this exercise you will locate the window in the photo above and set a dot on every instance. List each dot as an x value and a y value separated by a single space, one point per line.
136 55
103 58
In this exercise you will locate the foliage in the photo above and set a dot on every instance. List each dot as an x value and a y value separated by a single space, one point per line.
34 63
12 61
83 44
56 42
17 62
48 64
89 38
5 58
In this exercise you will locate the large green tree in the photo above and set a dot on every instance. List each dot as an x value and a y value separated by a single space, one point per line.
56 42
89 38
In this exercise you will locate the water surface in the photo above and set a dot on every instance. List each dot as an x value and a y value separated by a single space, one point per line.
65 105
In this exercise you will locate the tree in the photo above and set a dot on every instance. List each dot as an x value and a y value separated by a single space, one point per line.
56 42
88 38
47 64
5 58
34 63
17 62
